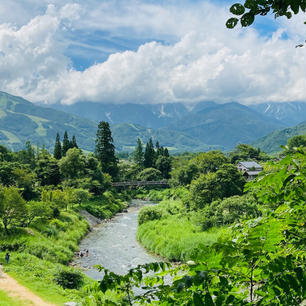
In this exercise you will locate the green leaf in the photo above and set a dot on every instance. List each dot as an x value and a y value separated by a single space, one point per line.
231 23
295 6
247 19
197 300
237 9
208 300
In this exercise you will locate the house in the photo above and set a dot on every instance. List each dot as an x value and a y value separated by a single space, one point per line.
250 169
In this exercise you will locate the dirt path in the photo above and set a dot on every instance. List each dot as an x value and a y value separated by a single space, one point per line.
13 289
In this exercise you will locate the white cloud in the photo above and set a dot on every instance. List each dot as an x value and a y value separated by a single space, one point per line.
207 61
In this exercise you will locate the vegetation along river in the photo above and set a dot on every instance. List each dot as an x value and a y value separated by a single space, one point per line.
114 245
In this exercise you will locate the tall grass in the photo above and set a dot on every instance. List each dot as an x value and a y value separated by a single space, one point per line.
177 238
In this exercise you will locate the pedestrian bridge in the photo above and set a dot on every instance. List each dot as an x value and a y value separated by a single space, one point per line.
163 183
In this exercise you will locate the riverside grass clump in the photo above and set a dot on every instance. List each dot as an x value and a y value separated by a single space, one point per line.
169 230
106 205
177 238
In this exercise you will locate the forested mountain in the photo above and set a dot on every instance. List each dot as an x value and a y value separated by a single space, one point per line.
199 127
204 126
272 142
126 133
21 120
226 124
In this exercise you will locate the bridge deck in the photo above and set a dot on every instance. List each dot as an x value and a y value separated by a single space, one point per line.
140 183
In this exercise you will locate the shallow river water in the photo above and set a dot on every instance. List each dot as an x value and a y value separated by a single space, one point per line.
114 245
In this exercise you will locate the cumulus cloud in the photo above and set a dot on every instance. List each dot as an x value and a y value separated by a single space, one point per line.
205 61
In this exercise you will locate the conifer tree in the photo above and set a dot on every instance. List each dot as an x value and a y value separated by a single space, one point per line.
149 154
105 150
73 143
139 155
66 144
57 147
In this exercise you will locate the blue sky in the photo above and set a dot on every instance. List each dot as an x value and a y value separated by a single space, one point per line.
119 51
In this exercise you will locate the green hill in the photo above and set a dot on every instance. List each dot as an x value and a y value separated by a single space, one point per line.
272 142
21 120
126 134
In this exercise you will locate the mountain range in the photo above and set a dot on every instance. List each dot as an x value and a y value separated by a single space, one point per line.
199 127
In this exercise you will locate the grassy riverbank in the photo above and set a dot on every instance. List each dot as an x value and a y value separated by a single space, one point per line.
41 252
177 238
169 230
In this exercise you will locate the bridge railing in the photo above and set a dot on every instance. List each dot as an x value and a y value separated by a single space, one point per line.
140 183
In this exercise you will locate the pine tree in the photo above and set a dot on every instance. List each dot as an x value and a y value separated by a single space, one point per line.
149 154
105 150
139 155
166 152
66 144
73 143
57 147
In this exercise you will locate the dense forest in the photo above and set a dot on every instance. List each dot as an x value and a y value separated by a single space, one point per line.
236 243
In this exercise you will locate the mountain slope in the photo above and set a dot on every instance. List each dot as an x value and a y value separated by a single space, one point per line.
20 120
272 142
290 113
126 134
226 124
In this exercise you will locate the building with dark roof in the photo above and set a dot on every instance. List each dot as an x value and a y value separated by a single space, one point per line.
250 169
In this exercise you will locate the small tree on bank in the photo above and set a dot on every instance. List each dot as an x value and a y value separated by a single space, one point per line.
105 150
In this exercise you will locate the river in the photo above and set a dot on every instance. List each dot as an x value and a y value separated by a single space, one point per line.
113 244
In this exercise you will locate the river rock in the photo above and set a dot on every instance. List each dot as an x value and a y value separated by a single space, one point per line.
71 304
190 263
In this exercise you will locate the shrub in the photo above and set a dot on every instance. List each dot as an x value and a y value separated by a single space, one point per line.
149 213
228 211
69 279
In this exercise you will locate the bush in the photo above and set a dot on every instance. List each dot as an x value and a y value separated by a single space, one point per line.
149 213
69 279
228 211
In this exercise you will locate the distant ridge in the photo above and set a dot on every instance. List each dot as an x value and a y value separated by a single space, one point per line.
205 126
272 142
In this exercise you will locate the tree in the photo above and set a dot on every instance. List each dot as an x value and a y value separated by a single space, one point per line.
149 154
47 171
209 161
72 166
37 209
73 143
150 174
163 164
295 142
139 155
57 147
66 144
247 12
204 190
244 152
27 155
12 207
225 182
105 150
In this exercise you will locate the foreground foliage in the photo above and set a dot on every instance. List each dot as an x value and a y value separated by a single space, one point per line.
263 263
